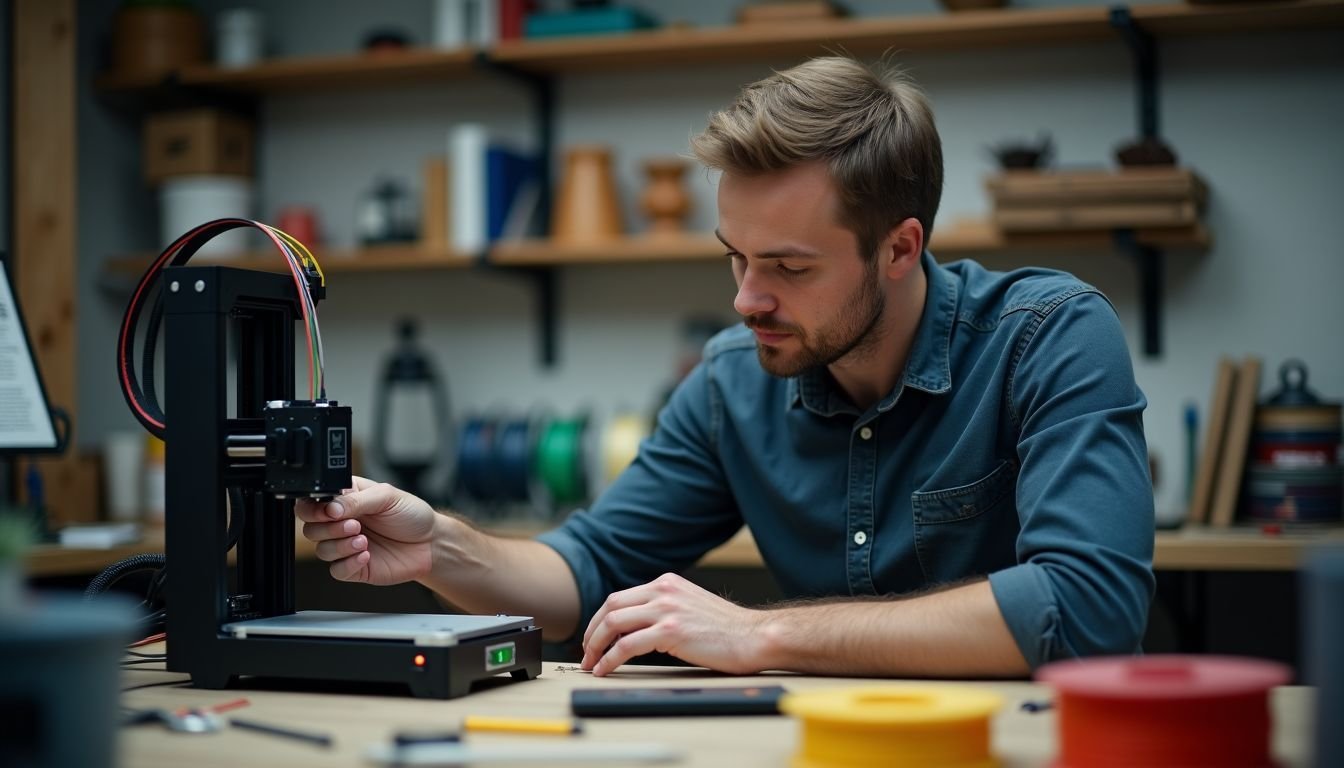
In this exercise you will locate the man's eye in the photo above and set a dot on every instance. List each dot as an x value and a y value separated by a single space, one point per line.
735 256
790 272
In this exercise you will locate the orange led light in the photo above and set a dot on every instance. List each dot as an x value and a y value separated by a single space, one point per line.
419 659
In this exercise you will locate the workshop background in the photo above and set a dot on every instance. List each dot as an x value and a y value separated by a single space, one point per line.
358 159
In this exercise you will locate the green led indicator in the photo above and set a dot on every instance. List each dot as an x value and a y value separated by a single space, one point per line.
500 656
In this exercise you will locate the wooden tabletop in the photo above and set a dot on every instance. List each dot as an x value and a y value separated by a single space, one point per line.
1188 549
359 721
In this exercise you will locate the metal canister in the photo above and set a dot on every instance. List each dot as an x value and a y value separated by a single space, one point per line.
1296 474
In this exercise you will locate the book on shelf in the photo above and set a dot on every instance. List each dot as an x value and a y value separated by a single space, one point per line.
1232 461
99 535
465 23
600 20
1211 453
488 182
1076 187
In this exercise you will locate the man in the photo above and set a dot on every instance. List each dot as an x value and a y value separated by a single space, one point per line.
944 466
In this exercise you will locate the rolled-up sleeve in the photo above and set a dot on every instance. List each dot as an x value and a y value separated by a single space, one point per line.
666 510
1085 503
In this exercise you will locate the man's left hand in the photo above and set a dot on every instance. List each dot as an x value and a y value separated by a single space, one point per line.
674 616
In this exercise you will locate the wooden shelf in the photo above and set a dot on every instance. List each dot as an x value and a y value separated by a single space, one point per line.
681 46
972 29
963 236
308 72
945 31
53 560
967 235
384 258
638 249
1188 549
1183 19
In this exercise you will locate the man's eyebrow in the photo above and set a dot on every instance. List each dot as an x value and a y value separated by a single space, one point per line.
785 252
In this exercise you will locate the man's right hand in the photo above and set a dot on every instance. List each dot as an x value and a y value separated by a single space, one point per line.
374 533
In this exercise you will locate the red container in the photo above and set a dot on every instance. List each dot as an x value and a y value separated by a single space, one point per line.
1164 710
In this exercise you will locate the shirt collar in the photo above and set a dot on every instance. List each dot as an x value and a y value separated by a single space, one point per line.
928 368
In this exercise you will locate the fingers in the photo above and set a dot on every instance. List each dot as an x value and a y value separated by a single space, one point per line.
337 549
352 568
336 530
310 511
627 648
318 512
618 623
616 601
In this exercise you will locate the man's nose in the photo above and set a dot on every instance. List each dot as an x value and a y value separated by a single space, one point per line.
753 298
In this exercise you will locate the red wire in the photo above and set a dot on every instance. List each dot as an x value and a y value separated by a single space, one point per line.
127 331
148 640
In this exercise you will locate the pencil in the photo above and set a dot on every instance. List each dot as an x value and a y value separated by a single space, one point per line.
558 726
320 739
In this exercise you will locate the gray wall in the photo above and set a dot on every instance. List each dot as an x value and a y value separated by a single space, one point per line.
1256 114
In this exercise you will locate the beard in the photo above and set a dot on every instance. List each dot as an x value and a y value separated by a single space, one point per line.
850 333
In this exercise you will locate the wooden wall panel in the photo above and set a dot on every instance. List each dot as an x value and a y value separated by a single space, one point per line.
45 168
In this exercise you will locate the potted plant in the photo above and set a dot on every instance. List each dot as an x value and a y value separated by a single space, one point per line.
16 535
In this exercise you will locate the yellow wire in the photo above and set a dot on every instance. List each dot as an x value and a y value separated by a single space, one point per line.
303 249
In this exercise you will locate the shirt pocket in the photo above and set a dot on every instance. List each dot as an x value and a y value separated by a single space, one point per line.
967 530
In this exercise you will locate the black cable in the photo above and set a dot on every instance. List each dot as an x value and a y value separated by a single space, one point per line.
183 681
116 571
155 586
176 254
237 516
139 655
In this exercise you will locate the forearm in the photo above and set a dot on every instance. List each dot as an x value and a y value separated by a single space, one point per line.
959 632
485 574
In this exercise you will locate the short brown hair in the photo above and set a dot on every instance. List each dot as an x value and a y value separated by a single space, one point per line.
874 130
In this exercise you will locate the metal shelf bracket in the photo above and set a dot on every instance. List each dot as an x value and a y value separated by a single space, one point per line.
1148 260
542 91
1145 69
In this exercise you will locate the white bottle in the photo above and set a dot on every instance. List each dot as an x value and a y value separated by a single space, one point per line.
238 38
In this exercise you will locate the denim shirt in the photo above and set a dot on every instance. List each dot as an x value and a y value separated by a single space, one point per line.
1012 447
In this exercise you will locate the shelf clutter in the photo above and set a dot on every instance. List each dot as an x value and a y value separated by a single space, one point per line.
743 42
1053 200
1274 463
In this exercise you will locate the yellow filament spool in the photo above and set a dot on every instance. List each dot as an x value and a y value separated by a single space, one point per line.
620 444
893 726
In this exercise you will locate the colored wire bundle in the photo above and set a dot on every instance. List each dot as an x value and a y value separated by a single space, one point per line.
139 392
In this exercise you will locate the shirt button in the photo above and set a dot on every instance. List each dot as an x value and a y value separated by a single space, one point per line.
860 537
866 434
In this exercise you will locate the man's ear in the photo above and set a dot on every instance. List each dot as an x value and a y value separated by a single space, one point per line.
902 248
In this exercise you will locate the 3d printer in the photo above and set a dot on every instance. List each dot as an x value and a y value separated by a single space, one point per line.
230 333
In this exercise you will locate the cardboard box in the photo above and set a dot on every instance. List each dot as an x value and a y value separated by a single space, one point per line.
199 141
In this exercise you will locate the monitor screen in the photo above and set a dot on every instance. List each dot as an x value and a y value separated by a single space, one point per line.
26 424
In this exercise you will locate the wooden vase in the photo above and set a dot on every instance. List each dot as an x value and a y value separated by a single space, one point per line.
587 209
665 199
155 41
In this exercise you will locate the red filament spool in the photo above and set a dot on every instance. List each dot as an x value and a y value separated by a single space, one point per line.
1159 710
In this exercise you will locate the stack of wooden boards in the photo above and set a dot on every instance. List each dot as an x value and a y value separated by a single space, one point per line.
1280 461
1049 201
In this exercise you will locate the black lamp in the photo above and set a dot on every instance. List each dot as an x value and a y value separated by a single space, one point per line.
412 433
